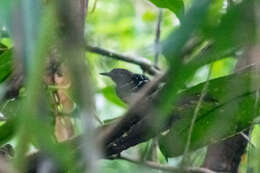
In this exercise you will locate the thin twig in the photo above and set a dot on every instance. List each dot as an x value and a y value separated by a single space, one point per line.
247 138
145 64
196 112
157 37
166 168
96 117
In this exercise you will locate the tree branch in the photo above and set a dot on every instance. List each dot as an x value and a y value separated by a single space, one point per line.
166 168
157 37
145 64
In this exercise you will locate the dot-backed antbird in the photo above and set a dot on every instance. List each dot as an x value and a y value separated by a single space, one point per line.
127 83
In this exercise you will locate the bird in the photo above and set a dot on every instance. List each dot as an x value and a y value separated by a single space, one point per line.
128 84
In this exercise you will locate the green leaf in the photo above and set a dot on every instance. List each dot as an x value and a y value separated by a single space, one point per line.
215 12
5 64
110 94
229 110
237 24
172 50
7 131
7 42
176 6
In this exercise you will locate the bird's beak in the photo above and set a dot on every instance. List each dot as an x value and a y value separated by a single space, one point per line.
105 74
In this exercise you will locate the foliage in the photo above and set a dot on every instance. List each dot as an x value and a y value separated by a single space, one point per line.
176 6
198 38
226 110
6 63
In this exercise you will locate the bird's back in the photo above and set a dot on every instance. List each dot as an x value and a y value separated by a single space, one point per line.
129 90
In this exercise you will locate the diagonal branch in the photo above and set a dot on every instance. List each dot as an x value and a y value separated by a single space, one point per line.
145 64
166 168
157 37
194 117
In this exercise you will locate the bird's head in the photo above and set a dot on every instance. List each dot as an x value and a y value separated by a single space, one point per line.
119 76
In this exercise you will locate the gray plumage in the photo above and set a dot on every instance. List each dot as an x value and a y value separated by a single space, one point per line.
128 84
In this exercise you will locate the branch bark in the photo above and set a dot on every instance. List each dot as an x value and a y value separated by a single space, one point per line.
145 64
166 168
225 156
